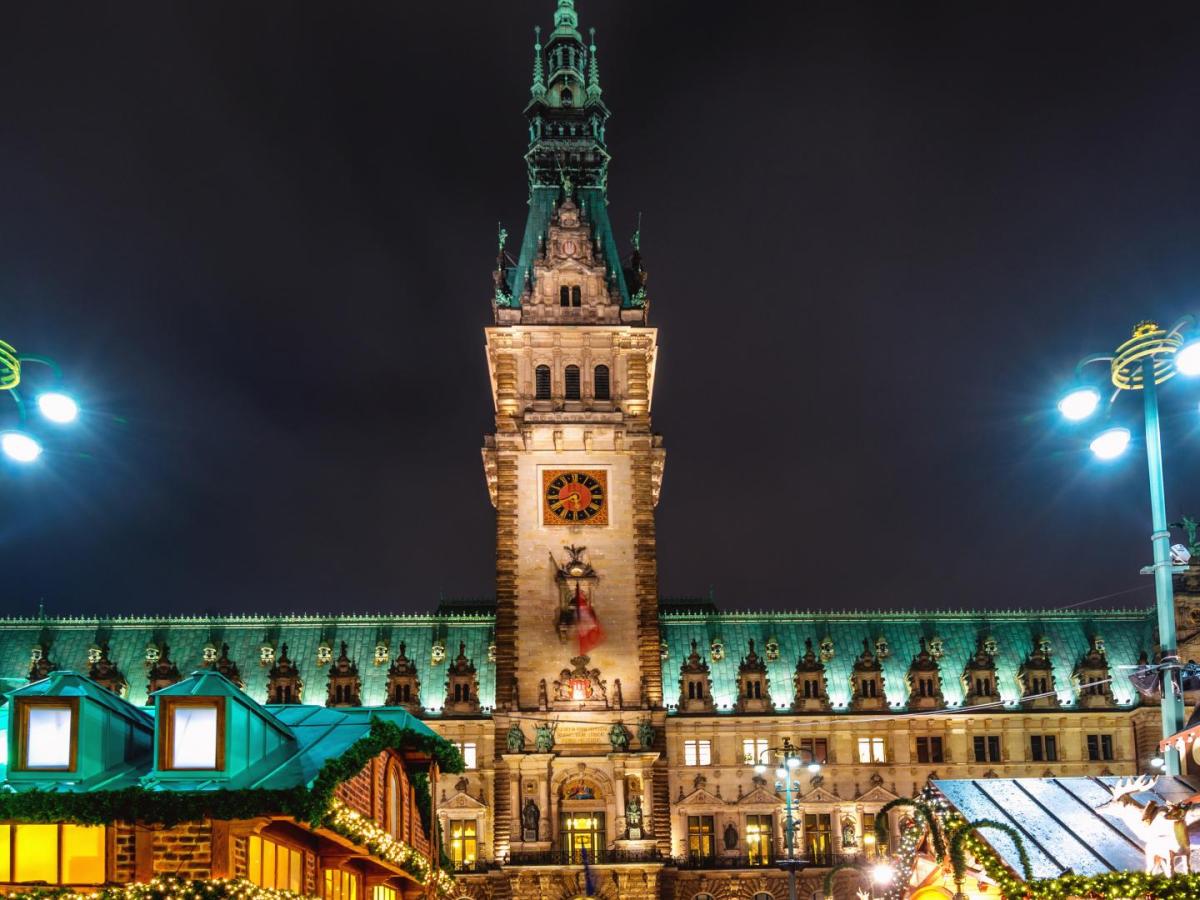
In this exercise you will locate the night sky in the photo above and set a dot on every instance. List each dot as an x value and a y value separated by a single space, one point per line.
259 237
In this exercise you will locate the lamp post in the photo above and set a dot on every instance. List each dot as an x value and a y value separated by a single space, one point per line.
789 759
1150 357
53 403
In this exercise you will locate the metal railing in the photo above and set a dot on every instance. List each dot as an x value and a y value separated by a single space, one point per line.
601 858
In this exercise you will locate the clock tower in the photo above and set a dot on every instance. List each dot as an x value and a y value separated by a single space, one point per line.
573 467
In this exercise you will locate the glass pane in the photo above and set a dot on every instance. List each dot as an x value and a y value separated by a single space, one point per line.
254 860
296 871
83 854
48 741
5 853
283 866
194 737
36 853
268 864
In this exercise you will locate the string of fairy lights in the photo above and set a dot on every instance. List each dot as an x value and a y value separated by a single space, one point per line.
558 719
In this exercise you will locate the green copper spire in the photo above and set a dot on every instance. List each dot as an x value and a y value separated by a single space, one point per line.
566 20
539 77
593 88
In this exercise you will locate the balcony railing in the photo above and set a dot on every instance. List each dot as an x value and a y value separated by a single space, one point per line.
478 867
601 858
815 861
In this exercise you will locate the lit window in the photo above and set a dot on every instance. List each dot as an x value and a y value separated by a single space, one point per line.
383 892
463 843
193 735
53 854
273 865
338 884
697 753
754 751
468 753
872 750
758 840
48 734
700 838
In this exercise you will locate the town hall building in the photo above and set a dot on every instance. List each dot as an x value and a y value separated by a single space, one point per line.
610 736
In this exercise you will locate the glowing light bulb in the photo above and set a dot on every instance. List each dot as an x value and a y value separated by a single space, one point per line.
1079 402
58 407
1110 443
20 447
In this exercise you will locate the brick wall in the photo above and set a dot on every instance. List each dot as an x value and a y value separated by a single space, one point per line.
124 852
367 794
185 850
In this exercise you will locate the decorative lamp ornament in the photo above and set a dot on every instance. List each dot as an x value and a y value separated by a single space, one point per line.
209 653
437 653
324 653
381 653
153 653
266 654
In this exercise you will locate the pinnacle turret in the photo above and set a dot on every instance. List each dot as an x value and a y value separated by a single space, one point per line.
538 89
593 89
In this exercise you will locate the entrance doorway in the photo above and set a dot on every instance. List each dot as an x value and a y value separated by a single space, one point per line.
583 836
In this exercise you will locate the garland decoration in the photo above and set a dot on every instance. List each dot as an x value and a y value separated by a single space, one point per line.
958 844
164 887
169 808
827 883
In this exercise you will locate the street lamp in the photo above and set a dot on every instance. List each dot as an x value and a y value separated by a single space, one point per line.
1150 357
54 405
789 759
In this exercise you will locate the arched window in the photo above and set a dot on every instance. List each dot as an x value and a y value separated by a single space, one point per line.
393 822
572 383
577 296
568 99
564 296
763 895
542 383
600 383
703 897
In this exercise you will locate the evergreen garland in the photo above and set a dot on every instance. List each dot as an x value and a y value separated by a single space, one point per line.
958 847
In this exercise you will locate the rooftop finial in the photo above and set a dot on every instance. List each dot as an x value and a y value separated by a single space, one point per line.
539 76
566 20
593 88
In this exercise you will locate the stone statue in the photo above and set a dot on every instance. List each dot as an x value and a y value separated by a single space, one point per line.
543 739
516 739
646 734
633 817
849 833
618 738
530 817
731 837
1191 526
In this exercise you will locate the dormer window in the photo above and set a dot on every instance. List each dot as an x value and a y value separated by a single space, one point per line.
568 98
49 730
193 733
870 688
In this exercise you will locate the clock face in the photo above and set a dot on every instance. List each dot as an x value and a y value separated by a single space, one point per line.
574 497
569 248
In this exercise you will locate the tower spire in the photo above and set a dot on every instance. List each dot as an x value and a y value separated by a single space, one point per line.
593 88
566 20
538 89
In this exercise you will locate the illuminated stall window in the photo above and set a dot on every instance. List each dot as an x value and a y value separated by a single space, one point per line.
49 732
270 864
53 854
338 884
383 892
193 733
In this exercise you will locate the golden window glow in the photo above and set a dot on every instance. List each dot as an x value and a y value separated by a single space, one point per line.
273 865
463 842
339 884
383 892
35 853
54 854
758 840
